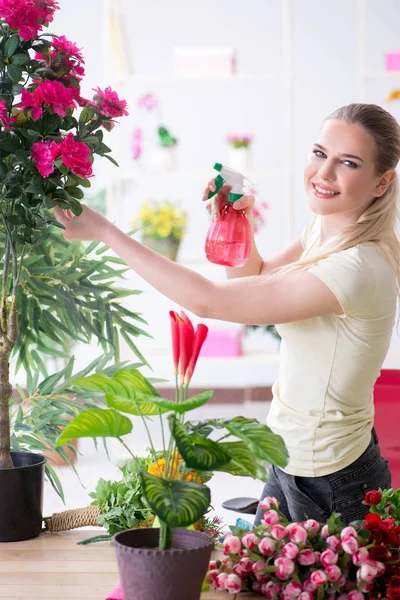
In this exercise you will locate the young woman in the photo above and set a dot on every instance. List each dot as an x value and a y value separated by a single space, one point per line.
333 294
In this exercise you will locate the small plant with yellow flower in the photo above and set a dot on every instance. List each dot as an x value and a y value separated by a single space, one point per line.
161 220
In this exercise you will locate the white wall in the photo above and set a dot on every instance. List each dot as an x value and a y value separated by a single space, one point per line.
321 55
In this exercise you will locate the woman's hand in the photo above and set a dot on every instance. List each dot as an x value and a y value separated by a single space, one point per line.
216 203
89 226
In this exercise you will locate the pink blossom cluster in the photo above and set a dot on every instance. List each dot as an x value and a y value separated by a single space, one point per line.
52 93
75 155
239 140
28 16
300 560
65 57
6 120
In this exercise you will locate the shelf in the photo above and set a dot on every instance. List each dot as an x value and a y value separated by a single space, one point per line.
125 175
225 78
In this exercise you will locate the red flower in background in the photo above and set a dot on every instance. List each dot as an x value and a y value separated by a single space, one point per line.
186 344
27 16
108 104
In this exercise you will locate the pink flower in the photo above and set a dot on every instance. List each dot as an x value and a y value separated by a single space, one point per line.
328 557
381 567
69 49
250 540
213 564
27 16
290 550
311 525
348 531
227 564
258 566
271 517
334 543
342 581
284 567
305 596
343 597
232 545
333 572
246 565
75 156
7 121
233 584
298 534
211 577
293 589
56 95
256 586
267 546
271 589
269 502
365 588
309 586
350 544
278 531
354 595
220 583
44 154
32 101
148 101
360 556
243 553
318 577
325 532
368 571
306 557
108 104
136 143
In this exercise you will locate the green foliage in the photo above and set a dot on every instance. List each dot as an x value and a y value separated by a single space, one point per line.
122 502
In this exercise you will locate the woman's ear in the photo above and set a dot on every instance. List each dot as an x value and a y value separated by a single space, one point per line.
384 181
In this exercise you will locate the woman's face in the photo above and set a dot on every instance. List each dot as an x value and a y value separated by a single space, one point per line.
340 173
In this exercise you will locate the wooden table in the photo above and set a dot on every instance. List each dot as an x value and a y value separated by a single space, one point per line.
53 567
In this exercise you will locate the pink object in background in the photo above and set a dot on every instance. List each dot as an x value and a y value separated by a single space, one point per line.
222 342
116 594
392 61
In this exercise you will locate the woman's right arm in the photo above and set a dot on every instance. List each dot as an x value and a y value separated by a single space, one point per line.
255 265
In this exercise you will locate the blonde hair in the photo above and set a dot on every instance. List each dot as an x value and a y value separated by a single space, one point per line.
379 220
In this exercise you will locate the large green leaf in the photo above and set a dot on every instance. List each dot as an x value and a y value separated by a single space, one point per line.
259 439
123 383
139 405
199 453
243 462
96 422
177 503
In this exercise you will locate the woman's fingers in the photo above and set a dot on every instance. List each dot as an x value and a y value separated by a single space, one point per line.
245 203
210 188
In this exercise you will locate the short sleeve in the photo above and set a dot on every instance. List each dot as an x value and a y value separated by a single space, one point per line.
307 233
350 278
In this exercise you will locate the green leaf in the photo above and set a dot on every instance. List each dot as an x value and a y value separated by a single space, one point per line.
21 58
120 384
110 158
15 72
139 404
176 503
11 45
198 453
259 439
75 192
96 422
9 145
74 81
242 463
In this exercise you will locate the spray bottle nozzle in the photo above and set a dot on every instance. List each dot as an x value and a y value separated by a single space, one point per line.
231 177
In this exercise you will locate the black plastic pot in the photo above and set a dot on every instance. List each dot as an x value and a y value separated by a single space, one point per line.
21 493
150 574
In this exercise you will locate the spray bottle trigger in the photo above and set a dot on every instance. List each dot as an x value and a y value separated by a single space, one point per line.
219 182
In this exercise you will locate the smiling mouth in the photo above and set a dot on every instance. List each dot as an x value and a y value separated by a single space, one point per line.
321 192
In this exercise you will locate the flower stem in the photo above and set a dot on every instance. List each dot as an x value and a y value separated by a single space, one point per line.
166 535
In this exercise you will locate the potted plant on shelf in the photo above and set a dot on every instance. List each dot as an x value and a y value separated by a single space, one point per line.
239 151
173 564
163 157
162 225
46 155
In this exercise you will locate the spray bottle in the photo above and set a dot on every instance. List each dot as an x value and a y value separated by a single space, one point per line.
228 240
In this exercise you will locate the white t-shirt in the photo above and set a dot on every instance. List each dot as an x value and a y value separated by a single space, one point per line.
323 399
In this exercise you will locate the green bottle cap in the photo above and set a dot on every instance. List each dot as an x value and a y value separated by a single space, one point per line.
233 197
218 166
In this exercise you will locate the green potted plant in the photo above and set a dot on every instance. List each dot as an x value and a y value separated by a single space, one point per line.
174 563
162 225
46 155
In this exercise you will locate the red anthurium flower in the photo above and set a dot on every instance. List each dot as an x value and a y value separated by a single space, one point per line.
199 338
186 331
175 338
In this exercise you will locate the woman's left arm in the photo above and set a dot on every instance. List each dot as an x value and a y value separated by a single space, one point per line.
259 300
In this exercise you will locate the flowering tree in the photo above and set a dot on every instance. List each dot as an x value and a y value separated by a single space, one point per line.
46 152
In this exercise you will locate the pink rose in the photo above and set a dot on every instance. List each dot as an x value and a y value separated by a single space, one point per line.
306 557
298 534
211 577
309 586
350 544
75 156
328 557
368 571
333 572
290 550
271 589
256 587
232 545
267 546
44 154
360 556
311 525
343 597
334 543
354 595
348 531
233 584
258 566
250 540
292 590
227 564
305 596
278 532
271 517
325 532
318 577
213 564
246 565
269 502
284 567
243 553
220 583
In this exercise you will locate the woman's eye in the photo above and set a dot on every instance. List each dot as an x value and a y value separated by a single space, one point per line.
319 153
351 164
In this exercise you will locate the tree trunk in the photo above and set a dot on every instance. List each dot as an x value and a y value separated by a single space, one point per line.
5 395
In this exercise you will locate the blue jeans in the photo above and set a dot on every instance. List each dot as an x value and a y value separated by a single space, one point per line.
343 492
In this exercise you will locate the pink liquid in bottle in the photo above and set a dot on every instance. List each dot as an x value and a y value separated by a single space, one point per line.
228 240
